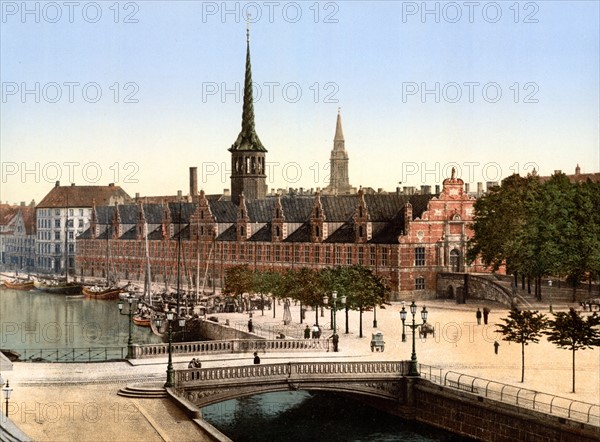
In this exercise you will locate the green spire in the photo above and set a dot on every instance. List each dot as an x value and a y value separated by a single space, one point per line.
247 140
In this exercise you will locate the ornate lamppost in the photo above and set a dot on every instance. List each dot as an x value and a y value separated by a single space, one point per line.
334 310
130 313
403 318
7 392
170 314
412 368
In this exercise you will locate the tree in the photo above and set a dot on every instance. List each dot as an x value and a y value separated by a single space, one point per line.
238 280
362 288
571 331
523 327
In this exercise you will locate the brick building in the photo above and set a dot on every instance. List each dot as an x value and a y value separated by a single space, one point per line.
17 236
405 238
64 214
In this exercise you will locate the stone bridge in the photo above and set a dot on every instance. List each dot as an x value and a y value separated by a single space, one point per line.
203 387
463 286
459 403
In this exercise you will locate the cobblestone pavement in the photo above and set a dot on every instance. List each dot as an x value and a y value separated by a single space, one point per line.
78 401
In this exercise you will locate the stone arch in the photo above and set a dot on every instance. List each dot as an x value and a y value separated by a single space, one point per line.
454 260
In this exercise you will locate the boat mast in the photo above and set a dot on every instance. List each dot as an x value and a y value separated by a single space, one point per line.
67 237
148 278
178 258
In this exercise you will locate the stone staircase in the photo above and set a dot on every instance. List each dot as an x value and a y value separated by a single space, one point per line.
149 390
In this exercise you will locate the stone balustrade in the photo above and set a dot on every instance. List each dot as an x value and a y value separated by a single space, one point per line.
229 346
191 378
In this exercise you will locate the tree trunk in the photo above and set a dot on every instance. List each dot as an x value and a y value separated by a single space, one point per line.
300 312
573 371
274 306
523 281
262 304
317 315
347 330
522 362
360 335
528 284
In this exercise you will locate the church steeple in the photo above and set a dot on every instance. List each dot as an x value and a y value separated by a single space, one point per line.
338 178
247 152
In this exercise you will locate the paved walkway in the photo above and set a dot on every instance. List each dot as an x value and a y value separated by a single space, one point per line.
78 402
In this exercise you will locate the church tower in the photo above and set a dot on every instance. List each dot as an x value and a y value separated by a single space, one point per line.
247 152
339 183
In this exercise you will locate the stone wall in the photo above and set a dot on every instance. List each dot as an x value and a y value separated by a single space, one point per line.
216 331
464 286
480 418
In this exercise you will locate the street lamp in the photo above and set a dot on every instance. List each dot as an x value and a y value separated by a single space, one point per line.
412 369
170 314
130 313
550 293
7 392
403 318
334 310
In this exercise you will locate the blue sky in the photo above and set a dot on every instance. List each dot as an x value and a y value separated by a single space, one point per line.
512 86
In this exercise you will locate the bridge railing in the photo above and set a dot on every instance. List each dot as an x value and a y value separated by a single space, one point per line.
194 377
72 354
229 346
522 397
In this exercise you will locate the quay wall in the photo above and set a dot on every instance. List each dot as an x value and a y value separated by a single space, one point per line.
215 331
483 419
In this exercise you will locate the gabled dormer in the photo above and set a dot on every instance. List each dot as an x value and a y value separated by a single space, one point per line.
279 227
202 221
363 229
94 228
166 221
243 220
140 226
117 227
318 227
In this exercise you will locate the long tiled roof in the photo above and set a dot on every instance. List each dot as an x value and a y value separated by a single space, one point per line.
386 213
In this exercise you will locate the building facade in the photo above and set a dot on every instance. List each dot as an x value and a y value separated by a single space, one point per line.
61 216
17 237
405 238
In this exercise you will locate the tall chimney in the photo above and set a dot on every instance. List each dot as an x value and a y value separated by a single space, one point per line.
193 182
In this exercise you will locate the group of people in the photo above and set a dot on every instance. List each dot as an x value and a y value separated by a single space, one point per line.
314 332
485 314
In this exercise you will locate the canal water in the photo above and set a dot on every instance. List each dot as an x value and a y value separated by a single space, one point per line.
36 320
319 416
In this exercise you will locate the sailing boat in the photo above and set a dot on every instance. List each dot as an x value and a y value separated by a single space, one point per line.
109 291
144 318
55 286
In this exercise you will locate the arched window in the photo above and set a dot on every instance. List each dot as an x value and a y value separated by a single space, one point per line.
317 213
277 232
360 231
317 231
360 212
242 231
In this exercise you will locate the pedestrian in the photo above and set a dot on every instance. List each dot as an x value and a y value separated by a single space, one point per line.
335 340
307 332
192 363
197 364
478 316
496 345
250 325
486 313
256 358
315 331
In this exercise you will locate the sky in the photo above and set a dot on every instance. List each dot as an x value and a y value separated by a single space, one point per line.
135 93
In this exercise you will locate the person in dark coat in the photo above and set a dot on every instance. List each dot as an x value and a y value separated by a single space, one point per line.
496 345
250 325
486 313
307 332
478 316
256 358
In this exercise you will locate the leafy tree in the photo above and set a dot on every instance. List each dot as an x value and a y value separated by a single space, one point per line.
523 327
363 289
238 280
571 331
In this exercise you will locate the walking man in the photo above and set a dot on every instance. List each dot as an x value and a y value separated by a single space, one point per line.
250 325
486 313
478 316
496 345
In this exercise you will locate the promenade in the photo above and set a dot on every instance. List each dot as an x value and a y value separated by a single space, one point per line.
78 402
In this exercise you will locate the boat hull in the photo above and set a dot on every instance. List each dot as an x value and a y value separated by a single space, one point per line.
60 289
142 322
27 285
108 294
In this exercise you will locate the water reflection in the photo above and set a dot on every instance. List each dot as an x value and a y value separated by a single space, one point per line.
318 416
38 320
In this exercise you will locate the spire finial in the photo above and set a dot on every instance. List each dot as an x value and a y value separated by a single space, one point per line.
248 15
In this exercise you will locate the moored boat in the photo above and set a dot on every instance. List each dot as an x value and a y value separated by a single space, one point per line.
101 293
19 284
59 288
142 321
